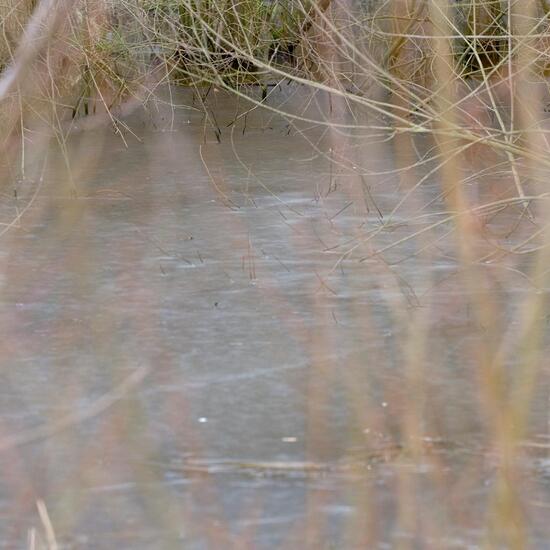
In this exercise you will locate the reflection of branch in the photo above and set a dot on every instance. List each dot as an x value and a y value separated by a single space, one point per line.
96 408
38 31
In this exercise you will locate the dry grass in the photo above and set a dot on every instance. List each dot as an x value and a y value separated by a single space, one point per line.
458 95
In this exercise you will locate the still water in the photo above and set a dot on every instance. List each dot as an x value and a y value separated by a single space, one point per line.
201 348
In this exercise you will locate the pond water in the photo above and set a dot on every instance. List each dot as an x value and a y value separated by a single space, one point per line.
239 344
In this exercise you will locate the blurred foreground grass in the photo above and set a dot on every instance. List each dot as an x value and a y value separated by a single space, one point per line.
454 95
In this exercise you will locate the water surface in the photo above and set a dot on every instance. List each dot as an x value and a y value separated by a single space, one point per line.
202 349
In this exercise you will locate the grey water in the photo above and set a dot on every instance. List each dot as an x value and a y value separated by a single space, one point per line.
206 342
